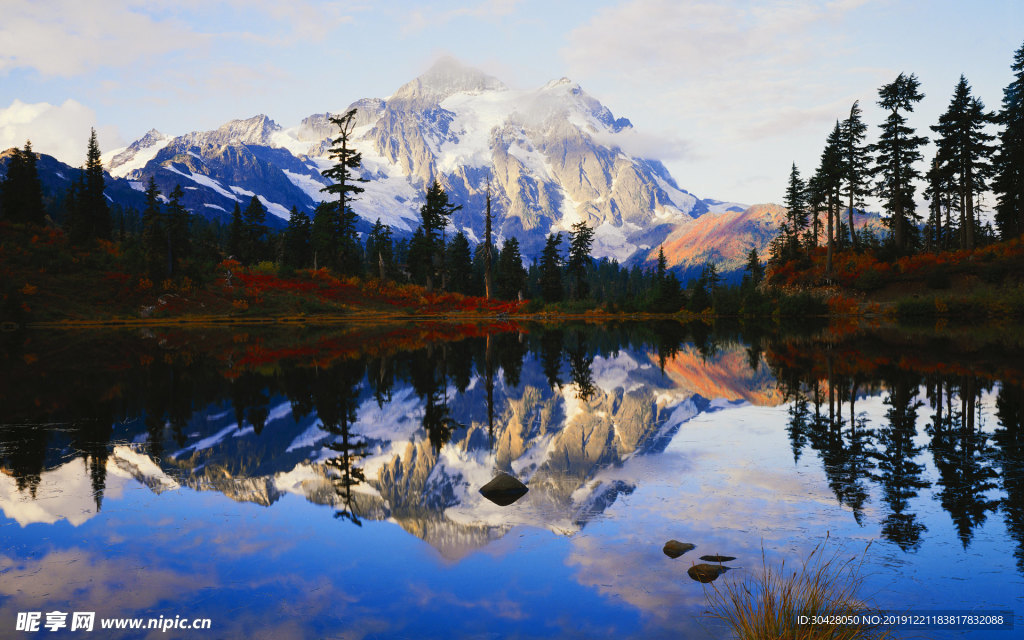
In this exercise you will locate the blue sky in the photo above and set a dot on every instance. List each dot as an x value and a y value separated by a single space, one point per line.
737 91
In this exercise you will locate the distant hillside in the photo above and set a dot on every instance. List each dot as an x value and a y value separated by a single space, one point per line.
726 238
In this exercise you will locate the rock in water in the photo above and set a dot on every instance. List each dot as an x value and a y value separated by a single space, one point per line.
674 548
503 490
706 572
717 558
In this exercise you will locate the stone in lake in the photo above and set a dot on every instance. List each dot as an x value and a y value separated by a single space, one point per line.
674 548
706 572
503 490
717 558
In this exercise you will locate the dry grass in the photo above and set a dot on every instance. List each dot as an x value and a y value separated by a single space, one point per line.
768 605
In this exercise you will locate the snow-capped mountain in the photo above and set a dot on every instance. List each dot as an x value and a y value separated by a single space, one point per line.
552 156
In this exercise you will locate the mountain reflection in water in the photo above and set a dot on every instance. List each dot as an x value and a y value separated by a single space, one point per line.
404 426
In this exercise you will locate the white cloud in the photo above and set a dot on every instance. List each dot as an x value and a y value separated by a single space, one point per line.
61 131
421 19
752 86
657 146
68 37
713 60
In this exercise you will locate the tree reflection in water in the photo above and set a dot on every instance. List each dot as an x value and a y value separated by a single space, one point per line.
161 397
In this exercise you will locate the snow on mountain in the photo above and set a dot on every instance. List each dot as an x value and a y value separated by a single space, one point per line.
123 161
553 156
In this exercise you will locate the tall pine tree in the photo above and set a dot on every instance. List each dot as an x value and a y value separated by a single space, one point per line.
962 149
796 211
1009 162
855 165
580 240
346 187
255 235
829 180
511 274
235 233
435 213
551 269
93 203
896 152
21 193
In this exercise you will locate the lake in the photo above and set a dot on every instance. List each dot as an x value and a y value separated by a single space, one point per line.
324 482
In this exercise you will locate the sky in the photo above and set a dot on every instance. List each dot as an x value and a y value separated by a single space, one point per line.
736 92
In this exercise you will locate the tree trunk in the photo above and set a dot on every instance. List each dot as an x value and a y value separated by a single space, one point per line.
963 218
487 247
831 236
969 207
853 232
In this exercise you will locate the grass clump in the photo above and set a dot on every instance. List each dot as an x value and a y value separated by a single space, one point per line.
770 604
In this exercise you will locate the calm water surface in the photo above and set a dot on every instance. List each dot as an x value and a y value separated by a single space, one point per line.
324 483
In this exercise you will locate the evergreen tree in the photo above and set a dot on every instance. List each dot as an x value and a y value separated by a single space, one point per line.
296 253
420 257
458 261
753 270
1009 162
551 269
21 193
154 245
93 203
511 276
235 233
177 231
699 298
896 152
380 258
668 297
255 239
713 279
815 206
346 188
796 215
580 240
854 165
828 182
323 236
940 193
962 151
435 213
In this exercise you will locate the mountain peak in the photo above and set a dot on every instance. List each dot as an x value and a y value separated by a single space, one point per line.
563 81
446 77
250 130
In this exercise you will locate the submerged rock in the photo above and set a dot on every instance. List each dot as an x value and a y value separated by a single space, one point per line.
706 572
503 490
674 548
717 558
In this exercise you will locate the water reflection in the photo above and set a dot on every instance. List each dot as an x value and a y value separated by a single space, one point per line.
406 425
972 461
